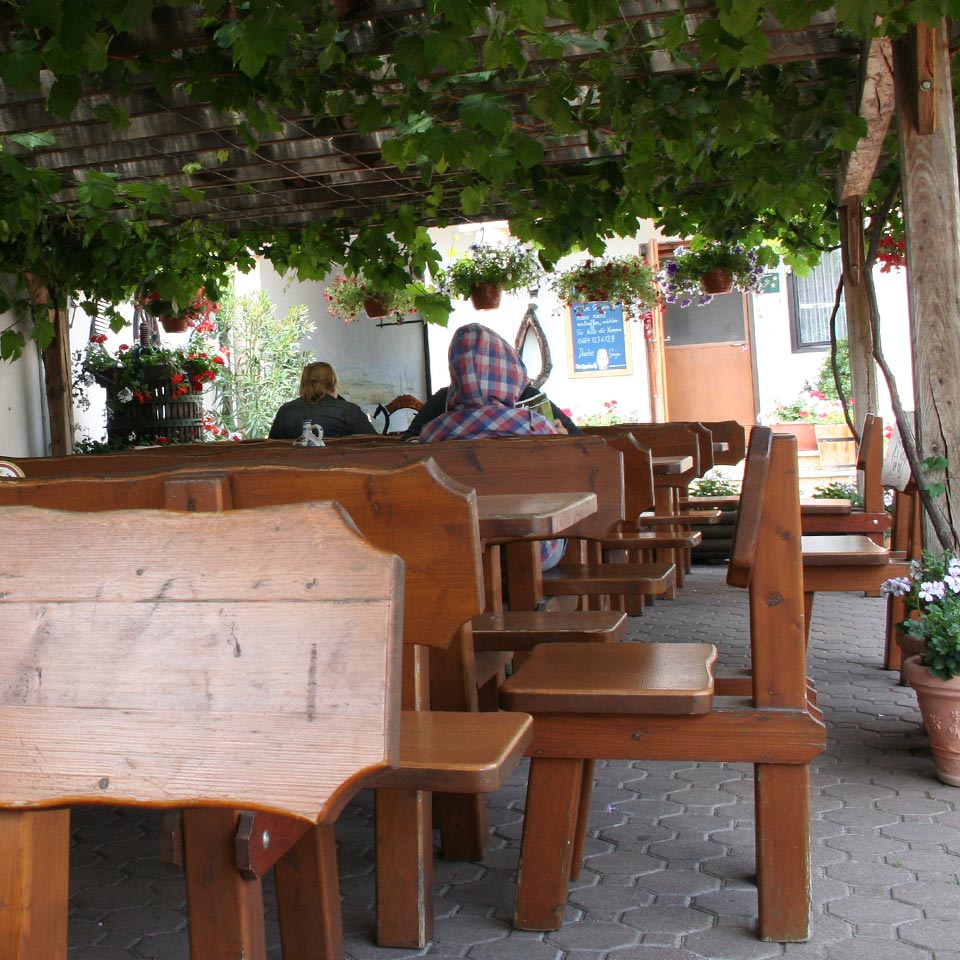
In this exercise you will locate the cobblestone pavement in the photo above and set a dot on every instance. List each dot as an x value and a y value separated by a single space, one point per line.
669 869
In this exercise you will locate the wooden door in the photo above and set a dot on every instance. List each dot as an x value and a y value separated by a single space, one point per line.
709 361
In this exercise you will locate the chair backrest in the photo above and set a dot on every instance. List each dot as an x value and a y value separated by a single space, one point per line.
733 434
417 512
196 659
766 558
705 438
870 462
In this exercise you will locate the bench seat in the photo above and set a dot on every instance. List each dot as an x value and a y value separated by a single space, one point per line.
524 629
613 578
457 752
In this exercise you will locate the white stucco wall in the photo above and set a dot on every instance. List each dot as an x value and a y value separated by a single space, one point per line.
781 374
374 364
23 431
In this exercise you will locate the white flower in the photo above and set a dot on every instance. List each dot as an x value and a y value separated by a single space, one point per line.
932 590
952 580
125 395
896 587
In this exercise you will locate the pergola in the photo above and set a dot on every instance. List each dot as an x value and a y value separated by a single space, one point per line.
250 142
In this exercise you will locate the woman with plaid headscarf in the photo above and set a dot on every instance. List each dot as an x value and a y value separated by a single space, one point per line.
486 378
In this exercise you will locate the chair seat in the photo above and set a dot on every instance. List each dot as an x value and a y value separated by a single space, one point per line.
653 540
458 752
524 629
622 678
685 519
616 579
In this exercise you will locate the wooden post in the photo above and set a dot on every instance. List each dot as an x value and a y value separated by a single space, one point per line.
56 370
863 369
931 202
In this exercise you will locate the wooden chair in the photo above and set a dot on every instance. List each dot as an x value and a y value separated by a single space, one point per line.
460 753
767 719
402 402
181 663
733 436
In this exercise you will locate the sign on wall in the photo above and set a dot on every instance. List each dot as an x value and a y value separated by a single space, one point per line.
598 340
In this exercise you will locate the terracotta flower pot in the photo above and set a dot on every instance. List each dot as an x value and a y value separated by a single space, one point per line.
940 708
374 307
174 324
909 647
716 281
485 296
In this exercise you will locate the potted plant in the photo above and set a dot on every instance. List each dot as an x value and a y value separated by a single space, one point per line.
347 296
931 596
487 270
709 269
174 318
628 280
152 392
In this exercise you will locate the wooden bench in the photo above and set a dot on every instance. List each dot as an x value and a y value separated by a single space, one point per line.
474 463
462 755
98 708
769 720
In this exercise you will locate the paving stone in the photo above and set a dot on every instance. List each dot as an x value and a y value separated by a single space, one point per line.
730 943
687 883
860 910
592 936
932 934
874 948
607 901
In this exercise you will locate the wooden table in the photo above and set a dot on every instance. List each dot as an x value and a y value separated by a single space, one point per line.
826 506
520 521
671 465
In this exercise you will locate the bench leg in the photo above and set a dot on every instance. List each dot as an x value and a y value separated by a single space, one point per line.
549 823
583 817
404 868
807 616
782 793
35 854
308 898
896 613
225 911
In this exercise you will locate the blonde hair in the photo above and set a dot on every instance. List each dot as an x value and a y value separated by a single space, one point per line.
317 381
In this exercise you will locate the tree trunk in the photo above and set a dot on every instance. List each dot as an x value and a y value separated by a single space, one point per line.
863 370
57 377
931 202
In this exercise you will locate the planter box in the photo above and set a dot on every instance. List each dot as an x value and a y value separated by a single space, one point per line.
806 438
836 445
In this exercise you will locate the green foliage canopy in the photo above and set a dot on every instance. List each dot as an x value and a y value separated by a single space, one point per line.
467 95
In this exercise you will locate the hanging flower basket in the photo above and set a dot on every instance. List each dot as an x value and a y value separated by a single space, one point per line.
175 324
505 267
628 280
486 296
717 281
374 307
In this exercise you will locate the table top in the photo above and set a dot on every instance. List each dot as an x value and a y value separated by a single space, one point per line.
844 549
531 516
665 466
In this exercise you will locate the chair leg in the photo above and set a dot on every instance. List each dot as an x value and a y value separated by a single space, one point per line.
404 868
782 793
583 817
308 898
225 910
549 822
807 616
34 890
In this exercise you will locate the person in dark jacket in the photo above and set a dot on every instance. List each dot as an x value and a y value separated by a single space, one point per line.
320 403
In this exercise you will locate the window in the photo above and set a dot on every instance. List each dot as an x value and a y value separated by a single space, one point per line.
811 303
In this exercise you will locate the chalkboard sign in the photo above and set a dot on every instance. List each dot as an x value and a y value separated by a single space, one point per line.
599 340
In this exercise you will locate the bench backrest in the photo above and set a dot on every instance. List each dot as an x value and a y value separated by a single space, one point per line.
733 434
195 659
766 558
416 512
870 462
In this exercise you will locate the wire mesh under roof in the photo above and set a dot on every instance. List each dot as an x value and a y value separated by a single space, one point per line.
313 168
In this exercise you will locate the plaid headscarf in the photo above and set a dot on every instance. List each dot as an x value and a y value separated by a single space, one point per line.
486 378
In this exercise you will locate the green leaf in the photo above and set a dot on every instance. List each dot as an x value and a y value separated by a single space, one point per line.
191 168
33 141
472 200
98 190
42 14
12 343
63 96
485 111
739 17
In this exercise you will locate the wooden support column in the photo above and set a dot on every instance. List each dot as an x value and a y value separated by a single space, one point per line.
56 371
863 369
931 205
